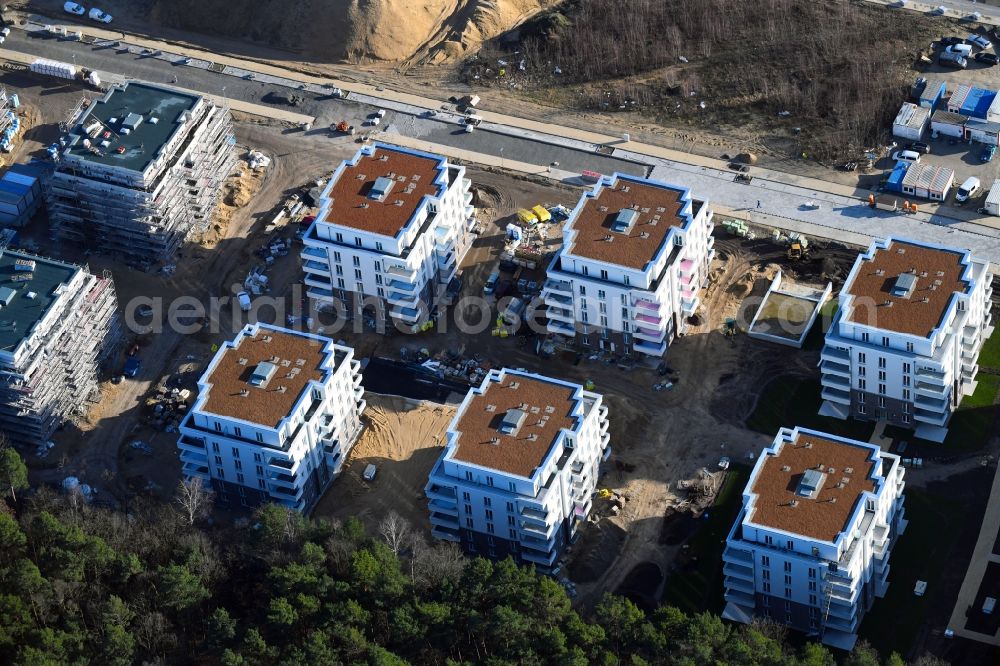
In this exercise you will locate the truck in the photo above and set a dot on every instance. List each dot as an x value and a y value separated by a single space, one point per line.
342 128
512 313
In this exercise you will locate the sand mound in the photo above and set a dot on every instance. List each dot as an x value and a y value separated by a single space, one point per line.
352 30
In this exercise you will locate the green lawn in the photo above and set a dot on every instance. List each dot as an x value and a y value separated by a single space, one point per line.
699 587
922 551
989 356
970 426
793 401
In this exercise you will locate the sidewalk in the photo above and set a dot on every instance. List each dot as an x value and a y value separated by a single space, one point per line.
981 557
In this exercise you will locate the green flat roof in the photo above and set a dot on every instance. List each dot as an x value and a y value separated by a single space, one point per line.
130 108
22 312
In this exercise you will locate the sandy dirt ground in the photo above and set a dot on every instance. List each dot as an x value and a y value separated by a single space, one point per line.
403 439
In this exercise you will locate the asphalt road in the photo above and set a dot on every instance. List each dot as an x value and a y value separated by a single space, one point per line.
324 108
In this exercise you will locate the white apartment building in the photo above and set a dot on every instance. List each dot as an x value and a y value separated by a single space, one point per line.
811 546
635 255
58 324
519 467
393 226
904 344
276 415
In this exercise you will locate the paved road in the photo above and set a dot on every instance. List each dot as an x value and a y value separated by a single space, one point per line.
783 197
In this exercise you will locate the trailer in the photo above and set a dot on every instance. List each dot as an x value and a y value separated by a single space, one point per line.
992 204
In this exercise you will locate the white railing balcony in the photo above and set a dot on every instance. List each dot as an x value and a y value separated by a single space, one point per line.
312 280
561 287
645 304
969 370
315 253
836 381
446 533
931 375
443 506
466 183
313 266
931 416
562 314
435 491
650 348
602 412
689 305
740 598
831 353
445 520
562 328
534 557
557 299
649 335
195 469
605 439
319 294
401 298
740 584
401 271
932 390
837 395
194 457
835 367
652 320
732 554
687 266
404 314
934 403
467 198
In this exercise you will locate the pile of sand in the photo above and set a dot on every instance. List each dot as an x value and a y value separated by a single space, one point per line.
352 30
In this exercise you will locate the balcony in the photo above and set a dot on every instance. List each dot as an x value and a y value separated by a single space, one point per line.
836 395
446 533
560 314
444 519
831 353
401 271
740 597
934 403
561 287
739 584
283 493
320 294
401 298
732 554
531 528
538 517
602 413
283 464
196 459
189 443
553 298
536 557
316 267
653 320
646 304
282 479
195 469
687 266
399 285
931 376
408 315
445 493
562 328
312 280
742 571
649 335
970 336
928 389
835 367
931 416
836 381
650 348
315 252
689 305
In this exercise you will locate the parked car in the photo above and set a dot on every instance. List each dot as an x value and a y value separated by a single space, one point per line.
987 58
962 49
491 283
919 147
131 368
370 471
939 10
947 59
99 16
968 189
144 311
74 8
988 153
948 41
980 41
906 156
244 301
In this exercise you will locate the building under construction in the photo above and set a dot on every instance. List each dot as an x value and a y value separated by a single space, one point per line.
140 169
58 323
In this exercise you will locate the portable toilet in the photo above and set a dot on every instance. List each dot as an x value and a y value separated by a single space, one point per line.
541 213
526 216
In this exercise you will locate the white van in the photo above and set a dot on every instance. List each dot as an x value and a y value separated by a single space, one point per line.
910 156
370 472
244 300
964 50
968 189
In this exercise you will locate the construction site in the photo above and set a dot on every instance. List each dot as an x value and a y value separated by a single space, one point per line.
58 325
138 170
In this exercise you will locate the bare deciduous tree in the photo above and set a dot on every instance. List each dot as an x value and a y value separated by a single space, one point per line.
396 531
193 498
430 565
